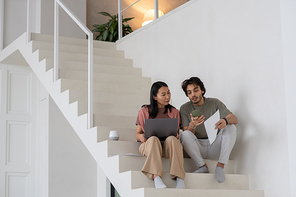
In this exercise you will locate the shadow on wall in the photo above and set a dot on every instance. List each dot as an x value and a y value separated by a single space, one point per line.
251 141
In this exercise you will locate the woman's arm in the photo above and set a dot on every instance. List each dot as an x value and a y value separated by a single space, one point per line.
140 134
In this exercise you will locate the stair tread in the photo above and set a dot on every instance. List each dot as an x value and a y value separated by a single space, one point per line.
119 149
76 48
193 181
73 41
172 192
105 77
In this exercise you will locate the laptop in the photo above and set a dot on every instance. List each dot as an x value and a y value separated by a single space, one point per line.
161 128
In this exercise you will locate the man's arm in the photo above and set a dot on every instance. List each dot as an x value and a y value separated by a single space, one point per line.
231 119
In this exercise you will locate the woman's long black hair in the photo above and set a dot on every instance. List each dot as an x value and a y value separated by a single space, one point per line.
153 107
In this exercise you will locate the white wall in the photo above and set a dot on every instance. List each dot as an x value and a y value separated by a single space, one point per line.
42 140
235 47
67 26
42 17
72 169
14 24
288 19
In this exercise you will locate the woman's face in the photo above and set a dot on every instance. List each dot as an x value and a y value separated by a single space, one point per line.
163 97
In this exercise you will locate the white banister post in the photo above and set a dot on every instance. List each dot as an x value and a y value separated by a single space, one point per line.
1 24
28 21
119 20
155 9
56 42
90 80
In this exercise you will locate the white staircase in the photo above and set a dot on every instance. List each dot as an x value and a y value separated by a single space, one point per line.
119 91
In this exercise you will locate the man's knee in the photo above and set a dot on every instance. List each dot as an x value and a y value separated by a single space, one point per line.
186 135
230 131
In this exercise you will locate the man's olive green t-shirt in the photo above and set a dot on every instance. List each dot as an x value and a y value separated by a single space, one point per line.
210 106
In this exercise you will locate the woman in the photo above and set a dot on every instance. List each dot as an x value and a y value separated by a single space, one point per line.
152 147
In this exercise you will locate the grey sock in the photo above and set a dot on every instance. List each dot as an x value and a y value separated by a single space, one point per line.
180 183
158 183
202 169
219 174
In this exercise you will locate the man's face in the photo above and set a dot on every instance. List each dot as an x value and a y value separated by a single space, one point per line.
194 93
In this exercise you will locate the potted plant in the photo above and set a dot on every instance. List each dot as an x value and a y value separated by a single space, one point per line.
109 31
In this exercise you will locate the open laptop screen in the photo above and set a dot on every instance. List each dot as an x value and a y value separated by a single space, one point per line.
161 128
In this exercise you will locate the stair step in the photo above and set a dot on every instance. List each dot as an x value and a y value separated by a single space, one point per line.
110 98
128 163
105 78
102 68
72 41
169 192
125 134
76 49
97 59
192 181
109 109
133 89
119 121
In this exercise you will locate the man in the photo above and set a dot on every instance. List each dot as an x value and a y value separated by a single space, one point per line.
194 137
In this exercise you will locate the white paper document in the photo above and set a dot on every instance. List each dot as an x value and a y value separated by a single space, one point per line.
210 126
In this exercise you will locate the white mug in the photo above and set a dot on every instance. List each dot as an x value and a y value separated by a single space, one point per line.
113 135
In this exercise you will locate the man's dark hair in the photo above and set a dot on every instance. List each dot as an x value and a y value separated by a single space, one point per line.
193 80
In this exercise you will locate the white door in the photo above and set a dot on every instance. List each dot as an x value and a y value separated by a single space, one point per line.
17 132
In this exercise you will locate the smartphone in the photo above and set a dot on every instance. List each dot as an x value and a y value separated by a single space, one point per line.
196 113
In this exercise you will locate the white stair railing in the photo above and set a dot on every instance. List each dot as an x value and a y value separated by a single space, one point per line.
28 21
59 3
1 24
120 10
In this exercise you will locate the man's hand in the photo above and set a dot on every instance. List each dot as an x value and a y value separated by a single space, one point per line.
195 121
221 124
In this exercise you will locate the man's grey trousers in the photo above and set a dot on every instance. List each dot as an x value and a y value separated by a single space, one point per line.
200 149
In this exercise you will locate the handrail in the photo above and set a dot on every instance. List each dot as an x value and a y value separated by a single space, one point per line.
120 10
28 21
90 53
1 24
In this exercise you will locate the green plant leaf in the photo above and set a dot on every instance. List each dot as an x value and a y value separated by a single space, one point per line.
97 30
105 34
100 28
110 37
99 37
114 17
127 19
105 14
110 23
97 26
111 29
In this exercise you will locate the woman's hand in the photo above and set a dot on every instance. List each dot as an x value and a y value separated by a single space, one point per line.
142 138
140 134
